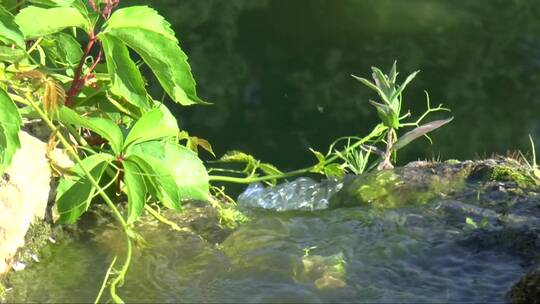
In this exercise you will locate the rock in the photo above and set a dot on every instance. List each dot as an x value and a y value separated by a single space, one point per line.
24 193
527 290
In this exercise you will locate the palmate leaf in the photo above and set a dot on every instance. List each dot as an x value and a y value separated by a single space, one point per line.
126 78
62 49
147 33
10 124
135 188
104 127
159 181
182 164
36 22
9 30
155 124
74 193
419 131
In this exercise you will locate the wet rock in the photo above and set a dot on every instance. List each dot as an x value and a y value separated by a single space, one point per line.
527 290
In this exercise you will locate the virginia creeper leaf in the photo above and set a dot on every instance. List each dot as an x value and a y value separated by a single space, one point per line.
135 188
159 181
152 125
104 127
62 49
10 124
147 33
74 193
37 22
126 78
9 30
183 165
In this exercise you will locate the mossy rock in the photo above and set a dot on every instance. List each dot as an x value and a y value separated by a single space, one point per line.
421 182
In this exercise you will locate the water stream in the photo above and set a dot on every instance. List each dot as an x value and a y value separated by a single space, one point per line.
297 250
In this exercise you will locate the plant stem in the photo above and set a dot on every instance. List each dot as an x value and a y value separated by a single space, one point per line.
105 279
248 180
78 79
71 151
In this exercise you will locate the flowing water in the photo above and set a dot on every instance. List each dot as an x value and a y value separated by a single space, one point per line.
295 250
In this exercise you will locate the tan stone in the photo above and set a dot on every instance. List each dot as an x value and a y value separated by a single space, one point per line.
24 193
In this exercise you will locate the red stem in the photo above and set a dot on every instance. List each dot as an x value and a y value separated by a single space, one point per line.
79 80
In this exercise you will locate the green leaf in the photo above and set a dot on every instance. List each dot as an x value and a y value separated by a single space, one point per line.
53 2
159 181
152 125
269 169
372 86
419 131
74 193
126 78
135 188
62 49
9 31
38 22
334 171
392 76
8 54
386 114
104 127
147 33
183 165
10 124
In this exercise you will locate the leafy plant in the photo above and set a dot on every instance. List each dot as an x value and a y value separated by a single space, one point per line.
352 154
389 111
94 100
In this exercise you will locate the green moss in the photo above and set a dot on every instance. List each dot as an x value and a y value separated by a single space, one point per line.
2 292
36 238
506 173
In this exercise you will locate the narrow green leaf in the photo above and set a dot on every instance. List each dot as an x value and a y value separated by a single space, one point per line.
135 188
392 76
10 124
152 125
420 131
104 127
372 86
74 193
269 169
386 114
147 33
38 22
126 78
9 30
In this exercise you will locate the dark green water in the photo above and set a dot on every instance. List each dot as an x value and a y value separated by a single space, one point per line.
278 71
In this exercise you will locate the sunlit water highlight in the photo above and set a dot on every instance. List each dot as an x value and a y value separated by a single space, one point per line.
360 254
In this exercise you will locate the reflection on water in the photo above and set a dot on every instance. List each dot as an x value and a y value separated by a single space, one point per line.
278 71
424 253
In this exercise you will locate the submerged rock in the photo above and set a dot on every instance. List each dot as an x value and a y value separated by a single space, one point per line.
527 290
